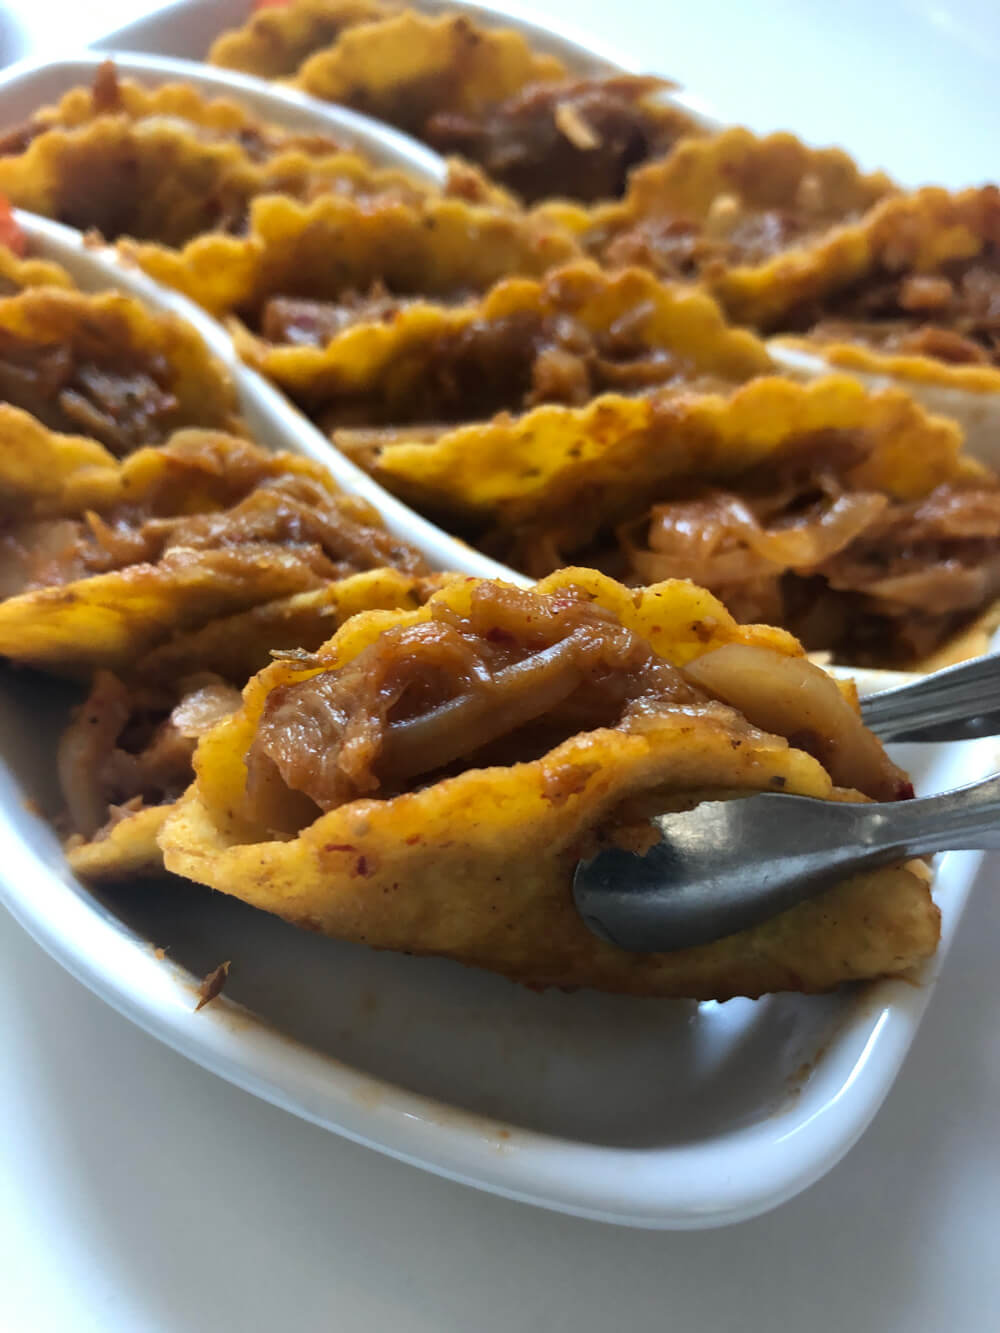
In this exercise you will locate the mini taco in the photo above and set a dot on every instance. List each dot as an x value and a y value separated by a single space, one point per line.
428 780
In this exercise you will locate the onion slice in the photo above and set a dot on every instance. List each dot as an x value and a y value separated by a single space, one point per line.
514 696
790 697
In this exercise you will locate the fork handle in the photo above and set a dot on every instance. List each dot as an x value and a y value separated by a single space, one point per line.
958 703
967 819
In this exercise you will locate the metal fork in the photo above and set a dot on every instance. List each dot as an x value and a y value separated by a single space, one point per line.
727 865
957 704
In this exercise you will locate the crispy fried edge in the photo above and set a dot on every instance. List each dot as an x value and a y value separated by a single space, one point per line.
699 169
28 272
921 230
444 243
38 465
203 387
371 61
172 171
274 41
678 319
615 448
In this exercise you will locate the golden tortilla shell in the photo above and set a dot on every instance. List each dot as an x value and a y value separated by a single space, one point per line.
157 180
196 471
235 647
16 273
128 849
41 471
919 233
117 334
750 174
111 95
595 464
760 172
408 67
275 41
388 359
111 619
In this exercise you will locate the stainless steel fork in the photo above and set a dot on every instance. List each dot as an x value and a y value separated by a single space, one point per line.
959 703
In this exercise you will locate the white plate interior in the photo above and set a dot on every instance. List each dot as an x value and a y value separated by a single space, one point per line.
188 30
30 84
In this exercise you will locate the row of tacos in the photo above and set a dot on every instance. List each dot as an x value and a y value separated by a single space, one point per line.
284 703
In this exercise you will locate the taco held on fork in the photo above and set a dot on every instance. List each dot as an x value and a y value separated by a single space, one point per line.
428 779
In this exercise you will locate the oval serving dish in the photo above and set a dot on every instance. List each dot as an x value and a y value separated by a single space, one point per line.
646 1113
659 1114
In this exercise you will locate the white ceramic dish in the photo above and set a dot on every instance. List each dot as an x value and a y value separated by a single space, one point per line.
187 28
646 1113
29 84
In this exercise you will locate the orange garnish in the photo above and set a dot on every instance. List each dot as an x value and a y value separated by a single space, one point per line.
11 234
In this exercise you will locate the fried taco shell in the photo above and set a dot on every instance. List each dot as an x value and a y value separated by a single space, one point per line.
275 41
919 309
18 271
161 180
175 103
406 68
764 223
565 338
434 247
104 366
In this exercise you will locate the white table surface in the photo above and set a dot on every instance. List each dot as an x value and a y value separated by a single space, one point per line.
138 1192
